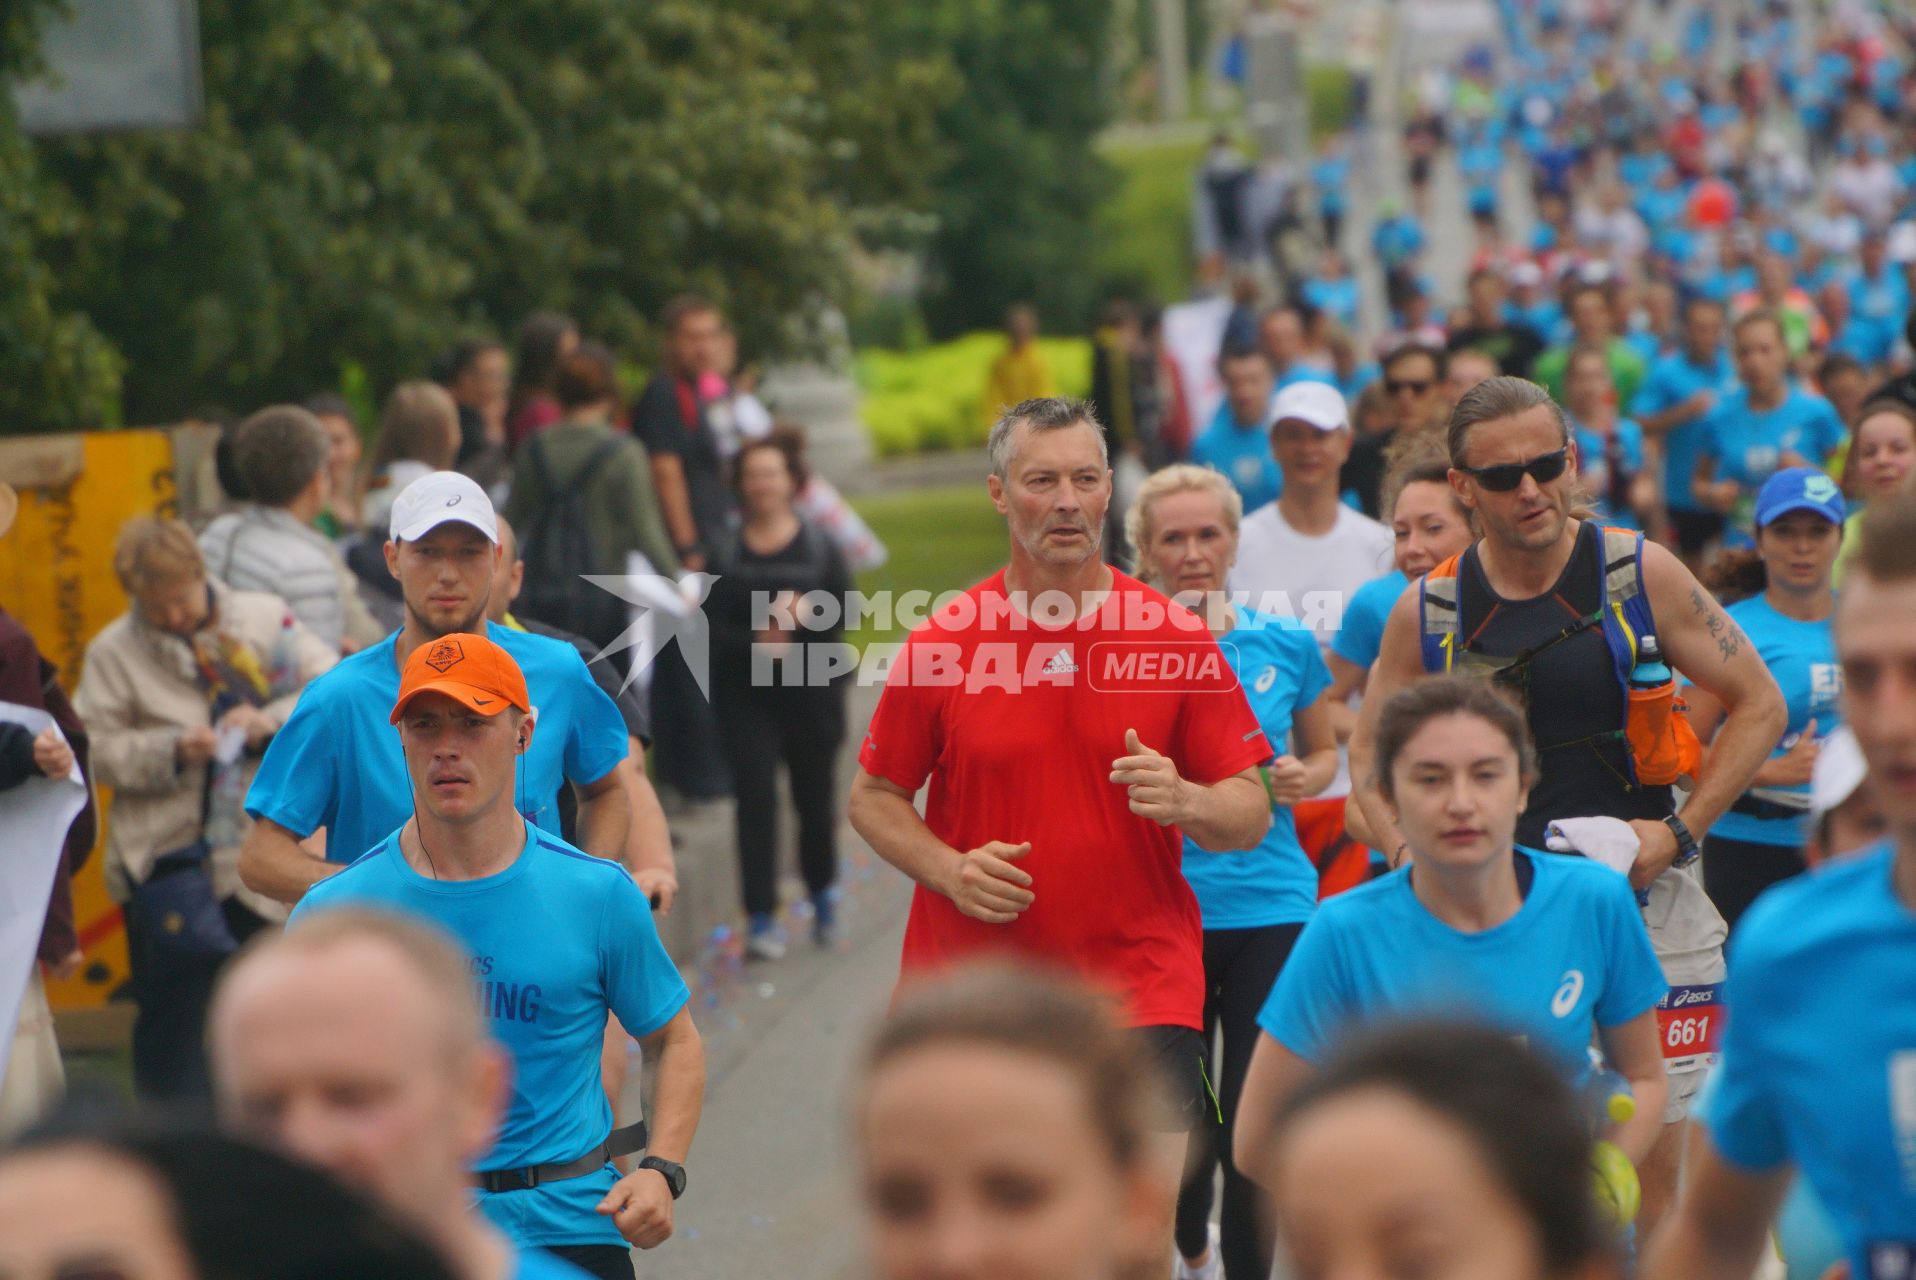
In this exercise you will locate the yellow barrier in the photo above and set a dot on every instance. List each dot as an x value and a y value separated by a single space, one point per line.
56 577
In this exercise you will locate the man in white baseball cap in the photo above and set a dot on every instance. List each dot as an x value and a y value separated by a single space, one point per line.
337 763
436 498
1304 556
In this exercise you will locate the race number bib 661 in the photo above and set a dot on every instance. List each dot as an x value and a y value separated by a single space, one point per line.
1690 1022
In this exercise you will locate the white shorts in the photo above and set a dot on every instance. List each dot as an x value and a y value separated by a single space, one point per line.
1688 933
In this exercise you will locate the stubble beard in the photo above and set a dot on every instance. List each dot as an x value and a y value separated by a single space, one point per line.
474 625
1052 557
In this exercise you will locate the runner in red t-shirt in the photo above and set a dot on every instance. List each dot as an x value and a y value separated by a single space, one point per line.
1066 750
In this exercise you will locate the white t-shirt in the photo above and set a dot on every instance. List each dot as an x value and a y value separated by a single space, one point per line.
1311 579
1870 187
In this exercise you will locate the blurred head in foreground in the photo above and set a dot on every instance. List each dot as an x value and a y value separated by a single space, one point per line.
1002 1125
84 1197
1438 1150
353 1042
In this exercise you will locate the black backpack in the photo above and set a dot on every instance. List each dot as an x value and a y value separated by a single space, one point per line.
557 547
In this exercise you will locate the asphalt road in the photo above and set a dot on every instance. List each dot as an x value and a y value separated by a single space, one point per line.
770 1179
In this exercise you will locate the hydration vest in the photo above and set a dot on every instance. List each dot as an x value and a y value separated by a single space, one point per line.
1661 745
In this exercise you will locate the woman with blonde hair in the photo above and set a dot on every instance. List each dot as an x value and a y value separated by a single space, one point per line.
418 434
182 693
1254 903
1876 466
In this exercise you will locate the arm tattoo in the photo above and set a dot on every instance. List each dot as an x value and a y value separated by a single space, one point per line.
1728 637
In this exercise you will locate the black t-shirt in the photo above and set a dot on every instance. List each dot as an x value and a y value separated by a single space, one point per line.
810 562
609 676
659 420
1515 347
1570 691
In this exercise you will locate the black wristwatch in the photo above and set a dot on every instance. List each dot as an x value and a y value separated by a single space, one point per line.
670 1170
1687 852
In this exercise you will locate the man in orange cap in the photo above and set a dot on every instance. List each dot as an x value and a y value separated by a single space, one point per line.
558 939
335 764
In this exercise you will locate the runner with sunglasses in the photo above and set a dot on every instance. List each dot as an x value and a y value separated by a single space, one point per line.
1414 389
1562 612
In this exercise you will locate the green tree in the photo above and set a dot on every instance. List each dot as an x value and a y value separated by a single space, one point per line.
57 371
376 177
1020 180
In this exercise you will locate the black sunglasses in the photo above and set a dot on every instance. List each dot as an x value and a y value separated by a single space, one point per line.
1506 476
1415 385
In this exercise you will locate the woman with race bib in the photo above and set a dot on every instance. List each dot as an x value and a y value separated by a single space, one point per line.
1549 949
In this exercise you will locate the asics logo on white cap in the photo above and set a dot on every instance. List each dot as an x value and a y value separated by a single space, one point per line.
437 498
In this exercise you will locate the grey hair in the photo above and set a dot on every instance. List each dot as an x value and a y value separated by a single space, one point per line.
1491 399
1179 477
1046 413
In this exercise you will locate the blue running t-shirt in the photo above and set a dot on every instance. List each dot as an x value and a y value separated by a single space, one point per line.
1819 1059
1749 446
1802 657
1672 380
1576 953
557 939
1281 672
1243 454
337 763
1361 637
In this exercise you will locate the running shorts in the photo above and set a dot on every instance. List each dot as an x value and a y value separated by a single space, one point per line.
1186 1069
1687 933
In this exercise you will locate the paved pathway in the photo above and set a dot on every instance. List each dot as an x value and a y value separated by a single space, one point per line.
770 1180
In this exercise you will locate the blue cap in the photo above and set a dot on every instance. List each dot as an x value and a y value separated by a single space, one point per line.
1800 489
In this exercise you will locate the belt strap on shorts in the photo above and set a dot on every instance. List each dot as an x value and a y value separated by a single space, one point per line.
1751 805
620 1142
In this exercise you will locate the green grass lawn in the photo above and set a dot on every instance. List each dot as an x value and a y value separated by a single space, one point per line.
940 540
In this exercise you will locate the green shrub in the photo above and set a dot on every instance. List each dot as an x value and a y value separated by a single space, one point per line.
1143 229
1329 90
933 399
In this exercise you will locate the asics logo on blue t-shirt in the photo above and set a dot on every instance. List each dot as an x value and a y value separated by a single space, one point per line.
1265 679
1568 993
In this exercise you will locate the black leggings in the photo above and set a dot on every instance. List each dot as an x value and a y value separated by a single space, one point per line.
801 727
1736 871
1240 968
606 1261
